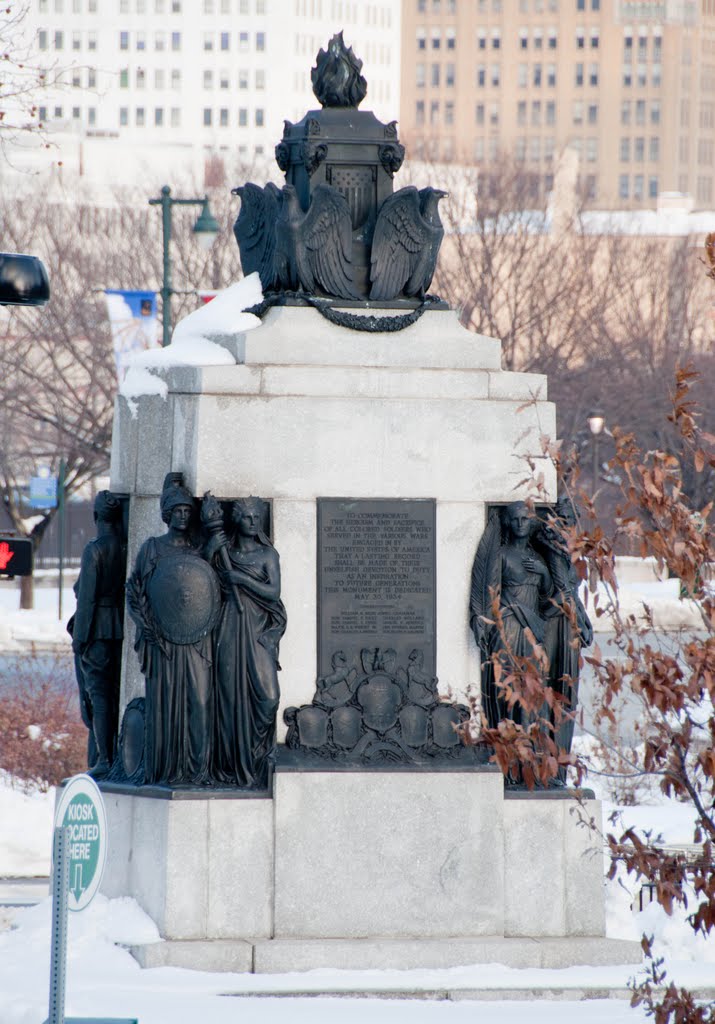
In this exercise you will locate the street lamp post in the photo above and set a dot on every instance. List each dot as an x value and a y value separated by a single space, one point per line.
205 230
596 423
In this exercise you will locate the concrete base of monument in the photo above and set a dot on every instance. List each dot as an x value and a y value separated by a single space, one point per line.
438 867
279 956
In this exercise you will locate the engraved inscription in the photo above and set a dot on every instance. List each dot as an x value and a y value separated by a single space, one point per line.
376 577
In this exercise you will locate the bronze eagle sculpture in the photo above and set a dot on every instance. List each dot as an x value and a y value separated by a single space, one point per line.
313 249
255 229
405 244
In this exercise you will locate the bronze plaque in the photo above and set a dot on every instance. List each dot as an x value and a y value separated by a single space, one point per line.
376 583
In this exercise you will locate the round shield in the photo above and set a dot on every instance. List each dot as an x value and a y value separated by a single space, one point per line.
185 598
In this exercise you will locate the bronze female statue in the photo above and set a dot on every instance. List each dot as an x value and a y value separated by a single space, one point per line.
251 625
568 627
173 596
508 567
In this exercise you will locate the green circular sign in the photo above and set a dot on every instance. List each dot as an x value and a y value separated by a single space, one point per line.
81 813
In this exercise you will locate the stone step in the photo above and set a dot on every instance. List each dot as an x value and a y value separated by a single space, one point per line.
279 956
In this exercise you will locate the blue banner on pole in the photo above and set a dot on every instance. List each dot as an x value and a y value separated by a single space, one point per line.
43 492
134 323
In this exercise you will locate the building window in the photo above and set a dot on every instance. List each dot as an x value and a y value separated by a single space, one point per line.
524 38
479 113
260 41
225 40
208 79
520 149
420 112
434 75
578 112
242 78
553 39
551 75
42 39
496 39
639 149
654 149
123 40
578 77
260 79
591 150
76 41
624 151
627 76
420 75
450 75
522 75
704 190
436 38
158 117
535 148
141 78
536 113
159 41
594 38
243 41
537 74
176 40
76 78
208 41
91 115
493 113
495 74
123 117
593 74
580 39
224 79
175 78
538 39
625 112
139 117
91 78
207 117
449 112
223 117
653 187
451 39
640 111
638 182
593 113
434 112
175 117
158 78
623 192
481 74
421 39
551 112
549 148
59 41
141 41
58 112
655 111
521 112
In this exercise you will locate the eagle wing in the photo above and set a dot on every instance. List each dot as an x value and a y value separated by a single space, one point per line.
255 230
397 243
324 249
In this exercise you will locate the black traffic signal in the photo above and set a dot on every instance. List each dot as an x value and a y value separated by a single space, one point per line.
15 556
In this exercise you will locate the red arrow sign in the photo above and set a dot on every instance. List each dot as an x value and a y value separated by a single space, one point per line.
5 554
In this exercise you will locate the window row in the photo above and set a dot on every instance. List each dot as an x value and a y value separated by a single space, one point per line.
634 187
211 41
58 37
595 5
76 6
540 74
439 113
44 114
587 149
637 147
221 117
435 39
640 78
535 148
641 50
634 111
438 74
539 111
436 6
584 112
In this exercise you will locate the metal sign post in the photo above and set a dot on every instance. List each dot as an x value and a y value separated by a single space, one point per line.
79 853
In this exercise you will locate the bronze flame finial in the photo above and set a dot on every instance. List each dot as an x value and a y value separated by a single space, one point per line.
336 77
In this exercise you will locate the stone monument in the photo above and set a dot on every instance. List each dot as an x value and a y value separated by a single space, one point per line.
378 433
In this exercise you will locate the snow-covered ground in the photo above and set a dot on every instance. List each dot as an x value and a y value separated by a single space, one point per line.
105 981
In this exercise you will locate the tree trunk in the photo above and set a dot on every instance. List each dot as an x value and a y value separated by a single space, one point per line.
27 593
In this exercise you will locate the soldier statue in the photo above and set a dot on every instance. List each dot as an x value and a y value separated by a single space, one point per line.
96 629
